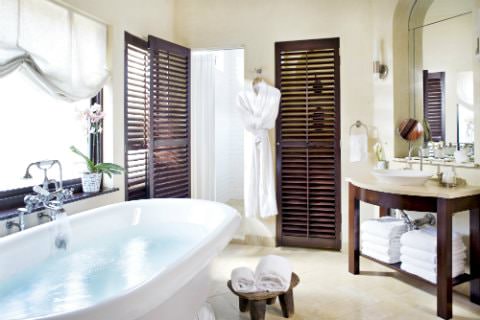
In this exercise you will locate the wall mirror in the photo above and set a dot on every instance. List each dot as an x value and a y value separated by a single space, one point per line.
442 60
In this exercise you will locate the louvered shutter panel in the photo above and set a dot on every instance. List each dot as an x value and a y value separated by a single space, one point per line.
308 143
137 96
170 119
434 103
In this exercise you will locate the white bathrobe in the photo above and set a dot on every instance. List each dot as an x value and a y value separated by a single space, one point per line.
258 113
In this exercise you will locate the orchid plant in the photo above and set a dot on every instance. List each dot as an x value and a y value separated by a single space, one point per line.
107 168
92 119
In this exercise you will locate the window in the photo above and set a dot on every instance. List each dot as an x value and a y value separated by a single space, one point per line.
36 126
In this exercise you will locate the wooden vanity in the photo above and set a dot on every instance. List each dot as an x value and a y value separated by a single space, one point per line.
427 198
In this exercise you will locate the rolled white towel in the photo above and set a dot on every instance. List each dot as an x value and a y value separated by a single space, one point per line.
457 268
243 280
387 250
426 239
273 273
381 257
423 273
430 257
380 240
385 227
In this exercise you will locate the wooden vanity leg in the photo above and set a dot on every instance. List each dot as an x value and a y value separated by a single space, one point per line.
242 304
475 255
444 258
353 230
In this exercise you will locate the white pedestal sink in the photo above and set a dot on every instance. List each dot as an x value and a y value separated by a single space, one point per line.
403 177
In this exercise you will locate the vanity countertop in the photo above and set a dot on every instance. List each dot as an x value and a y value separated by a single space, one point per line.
429 189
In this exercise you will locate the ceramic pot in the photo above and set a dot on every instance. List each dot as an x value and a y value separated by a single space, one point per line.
382 165
91 182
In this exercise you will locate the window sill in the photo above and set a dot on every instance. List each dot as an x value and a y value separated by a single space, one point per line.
78 196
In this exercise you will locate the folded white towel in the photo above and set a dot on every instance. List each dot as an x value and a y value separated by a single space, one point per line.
365 236
273 273
430 276
385 227
426 239
388 250
430 257
379 256
358 147
458 267
243 280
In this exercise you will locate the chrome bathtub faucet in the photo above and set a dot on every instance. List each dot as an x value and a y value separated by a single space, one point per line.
21 220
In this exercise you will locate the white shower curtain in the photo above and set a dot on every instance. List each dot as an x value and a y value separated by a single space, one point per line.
203 125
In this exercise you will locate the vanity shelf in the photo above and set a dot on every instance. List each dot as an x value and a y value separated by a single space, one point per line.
396 266
425 198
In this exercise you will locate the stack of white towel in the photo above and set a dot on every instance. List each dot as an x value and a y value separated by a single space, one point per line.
273 273
419 253
380 238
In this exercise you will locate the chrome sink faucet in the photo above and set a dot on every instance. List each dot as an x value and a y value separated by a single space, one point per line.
420 153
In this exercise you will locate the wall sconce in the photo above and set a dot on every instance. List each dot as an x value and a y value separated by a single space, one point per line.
380 69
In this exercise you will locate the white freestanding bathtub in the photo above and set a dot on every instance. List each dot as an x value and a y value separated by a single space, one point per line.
144 259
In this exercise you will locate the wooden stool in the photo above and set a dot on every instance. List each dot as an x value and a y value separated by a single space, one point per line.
257 301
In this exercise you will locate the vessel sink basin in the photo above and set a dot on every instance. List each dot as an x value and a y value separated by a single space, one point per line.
402 177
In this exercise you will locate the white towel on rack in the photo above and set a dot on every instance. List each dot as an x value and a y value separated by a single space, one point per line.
381 257
426 239
458 266
358 147
430 257
385 227
388 250
430 276
423 273
395 241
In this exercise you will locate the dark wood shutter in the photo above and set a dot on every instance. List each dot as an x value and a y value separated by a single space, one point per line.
434 103
308 143
137 96
170 119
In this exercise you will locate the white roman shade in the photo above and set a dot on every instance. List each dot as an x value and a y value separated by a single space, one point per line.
62 50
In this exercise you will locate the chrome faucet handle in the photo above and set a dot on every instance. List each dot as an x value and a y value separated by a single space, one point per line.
64 194
31 202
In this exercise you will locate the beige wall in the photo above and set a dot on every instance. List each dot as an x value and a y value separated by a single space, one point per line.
257 25
365 29
140 18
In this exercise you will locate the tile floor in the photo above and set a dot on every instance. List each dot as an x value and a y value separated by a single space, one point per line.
328 291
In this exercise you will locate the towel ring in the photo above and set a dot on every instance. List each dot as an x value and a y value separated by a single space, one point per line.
358 124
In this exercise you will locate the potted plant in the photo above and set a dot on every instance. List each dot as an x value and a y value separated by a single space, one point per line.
382 163
92 179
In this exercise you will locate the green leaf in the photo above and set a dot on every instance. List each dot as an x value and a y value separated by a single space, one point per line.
108 168
90 164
